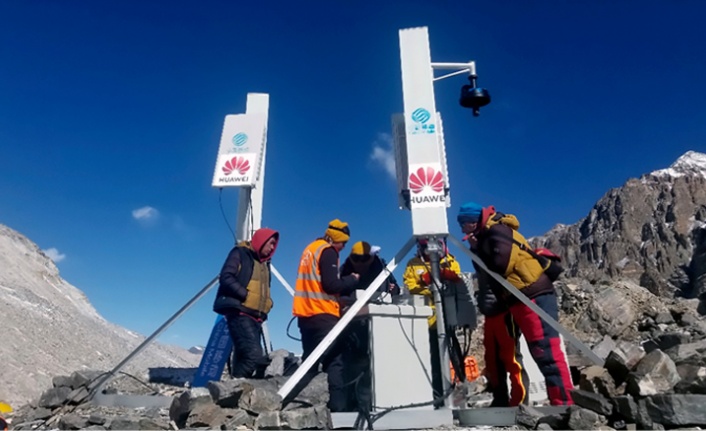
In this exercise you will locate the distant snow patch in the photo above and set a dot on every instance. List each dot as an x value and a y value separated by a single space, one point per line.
691 163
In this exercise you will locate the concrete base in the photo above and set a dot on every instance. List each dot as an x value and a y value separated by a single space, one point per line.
410 419
498 416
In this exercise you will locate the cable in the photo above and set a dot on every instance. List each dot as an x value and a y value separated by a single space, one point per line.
290 324
375 416
252 217
389 275
154 391
456 354
225 218
363 407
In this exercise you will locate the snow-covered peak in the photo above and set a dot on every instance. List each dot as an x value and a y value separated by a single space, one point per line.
691 163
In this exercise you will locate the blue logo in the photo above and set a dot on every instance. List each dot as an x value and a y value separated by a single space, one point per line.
421 116
240 139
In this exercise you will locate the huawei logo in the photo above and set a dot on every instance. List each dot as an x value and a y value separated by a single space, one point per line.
239 164
424 177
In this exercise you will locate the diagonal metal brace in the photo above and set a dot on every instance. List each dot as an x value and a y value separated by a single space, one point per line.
98 384
534 307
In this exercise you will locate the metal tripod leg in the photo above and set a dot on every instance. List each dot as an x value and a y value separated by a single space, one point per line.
99 384
266 338
282 280
344 321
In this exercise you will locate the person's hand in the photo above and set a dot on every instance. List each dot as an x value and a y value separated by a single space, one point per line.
449 275
472 240
355 275
426 278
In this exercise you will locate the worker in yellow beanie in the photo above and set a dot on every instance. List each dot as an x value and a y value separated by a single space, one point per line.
366 261
337 233
316 307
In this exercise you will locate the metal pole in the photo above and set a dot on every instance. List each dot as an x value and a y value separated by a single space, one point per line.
343 322
282 280
469 65
266 339
243 228
151 338
534 307
435 252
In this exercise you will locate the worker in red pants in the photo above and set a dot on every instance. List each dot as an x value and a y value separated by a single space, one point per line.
496 239
501 339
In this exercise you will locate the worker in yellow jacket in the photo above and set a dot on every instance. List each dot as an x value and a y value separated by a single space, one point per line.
417 278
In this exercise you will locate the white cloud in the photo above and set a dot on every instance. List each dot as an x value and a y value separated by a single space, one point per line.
145 214
383 154
54 254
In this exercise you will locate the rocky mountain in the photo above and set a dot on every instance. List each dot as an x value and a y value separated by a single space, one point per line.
652 231
50 328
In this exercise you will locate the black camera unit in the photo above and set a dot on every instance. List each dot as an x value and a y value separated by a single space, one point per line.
474 97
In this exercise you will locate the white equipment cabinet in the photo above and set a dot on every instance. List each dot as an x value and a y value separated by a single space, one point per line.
400 359
400 363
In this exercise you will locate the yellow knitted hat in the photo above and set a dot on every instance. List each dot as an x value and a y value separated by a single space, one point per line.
361 248
338 231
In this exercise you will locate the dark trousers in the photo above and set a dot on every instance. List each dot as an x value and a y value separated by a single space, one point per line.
313 330
501 339
246 333
356 354
545 347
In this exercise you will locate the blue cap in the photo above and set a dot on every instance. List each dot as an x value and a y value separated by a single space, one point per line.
469 212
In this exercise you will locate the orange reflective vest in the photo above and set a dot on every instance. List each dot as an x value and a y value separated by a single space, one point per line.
309 296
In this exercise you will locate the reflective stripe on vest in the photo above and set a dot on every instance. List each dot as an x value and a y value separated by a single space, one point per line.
316 295
309 297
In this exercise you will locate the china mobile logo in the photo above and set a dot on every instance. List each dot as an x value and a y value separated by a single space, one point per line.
240 139
424 177
421 117
239 164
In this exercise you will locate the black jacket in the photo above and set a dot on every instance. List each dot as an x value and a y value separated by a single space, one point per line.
486 297
232 290
376 267
330 281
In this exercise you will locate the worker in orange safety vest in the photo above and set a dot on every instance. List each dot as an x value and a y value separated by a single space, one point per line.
316 306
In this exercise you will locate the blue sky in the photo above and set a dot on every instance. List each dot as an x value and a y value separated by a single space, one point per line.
111 114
